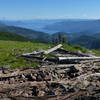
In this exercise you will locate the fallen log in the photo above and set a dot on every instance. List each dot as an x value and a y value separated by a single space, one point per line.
43 51
53 49
60 66
41 59
78 58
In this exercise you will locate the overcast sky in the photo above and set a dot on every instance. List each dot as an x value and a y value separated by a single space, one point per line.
30 9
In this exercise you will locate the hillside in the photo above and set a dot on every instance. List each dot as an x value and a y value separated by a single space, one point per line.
35 35
85 39
91 42
12 37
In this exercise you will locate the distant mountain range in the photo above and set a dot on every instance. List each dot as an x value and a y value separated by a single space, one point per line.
41 24
35 24
1 24
57 25
71 26
78 32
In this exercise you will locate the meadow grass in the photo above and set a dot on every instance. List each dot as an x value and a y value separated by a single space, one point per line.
10 49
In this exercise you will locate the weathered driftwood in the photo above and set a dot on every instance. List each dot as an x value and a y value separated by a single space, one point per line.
43 51
33 53
79 58
53 49
41 59
67 57
89 61
68 60
61 66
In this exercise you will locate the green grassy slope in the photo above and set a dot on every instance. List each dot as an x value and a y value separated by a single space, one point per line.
12 37
32 34
9 50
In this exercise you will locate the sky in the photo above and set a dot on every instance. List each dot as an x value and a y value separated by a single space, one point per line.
49 9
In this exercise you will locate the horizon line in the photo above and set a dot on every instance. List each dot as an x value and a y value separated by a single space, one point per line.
1 19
